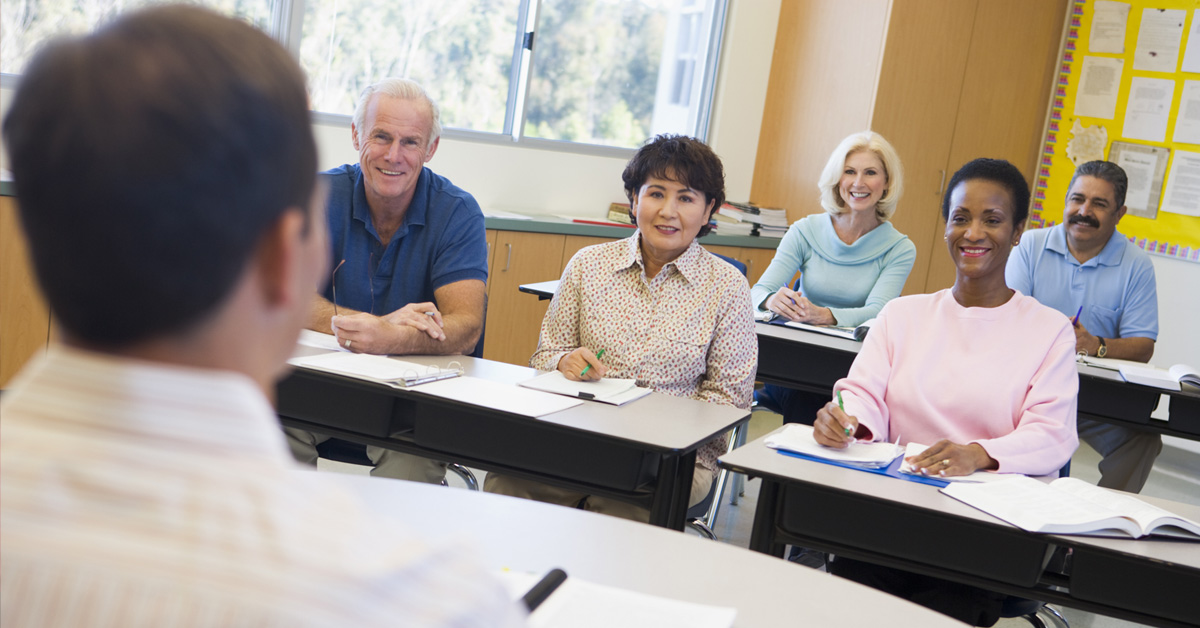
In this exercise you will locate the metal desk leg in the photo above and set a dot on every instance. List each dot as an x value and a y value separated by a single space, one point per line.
666 492
762 534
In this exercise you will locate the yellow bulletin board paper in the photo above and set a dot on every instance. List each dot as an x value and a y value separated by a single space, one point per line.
1168 233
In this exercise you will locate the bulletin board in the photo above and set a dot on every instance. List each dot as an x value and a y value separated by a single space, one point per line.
1072 133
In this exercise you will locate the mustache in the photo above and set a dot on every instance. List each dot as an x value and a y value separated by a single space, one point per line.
1084 220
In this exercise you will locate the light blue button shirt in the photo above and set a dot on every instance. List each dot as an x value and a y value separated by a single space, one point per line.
1116 288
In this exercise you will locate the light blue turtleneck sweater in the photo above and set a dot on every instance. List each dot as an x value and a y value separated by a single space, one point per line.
852 280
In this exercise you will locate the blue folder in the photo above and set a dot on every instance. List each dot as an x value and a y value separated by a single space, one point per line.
892 470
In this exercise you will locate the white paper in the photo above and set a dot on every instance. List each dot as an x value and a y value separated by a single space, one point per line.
376 368
798 437
1087 143
1191 56
497 396
1139 167
1109 21
1099 82
316 339
1187 117
1148 109
578 603
1182 194
1158 40
608 390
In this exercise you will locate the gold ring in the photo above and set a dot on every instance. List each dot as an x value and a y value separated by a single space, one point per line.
946 462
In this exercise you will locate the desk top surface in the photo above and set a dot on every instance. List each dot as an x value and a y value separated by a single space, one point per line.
758 459
529 536
660 421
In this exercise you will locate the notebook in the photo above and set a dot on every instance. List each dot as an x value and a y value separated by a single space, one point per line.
617 392
375 368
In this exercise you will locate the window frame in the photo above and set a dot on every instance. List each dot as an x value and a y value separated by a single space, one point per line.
286 26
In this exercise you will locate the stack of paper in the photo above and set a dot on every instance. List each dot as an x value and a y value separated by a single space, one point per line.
915 449
798 438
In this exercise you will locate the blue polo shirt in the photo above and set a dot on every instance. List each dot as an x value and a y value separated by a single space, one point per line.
442 240
1116 288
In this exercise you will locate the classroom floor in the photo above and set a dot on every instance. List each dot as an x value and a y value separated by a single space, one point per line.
1170 479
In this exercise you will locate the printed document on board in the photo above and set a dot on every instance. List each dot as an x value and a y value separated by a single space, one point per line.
1099 82
1148 109
1158 40
1109 20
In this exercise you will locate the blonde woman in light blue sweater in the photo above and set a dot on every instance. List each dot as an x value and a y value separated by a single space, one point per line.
851 259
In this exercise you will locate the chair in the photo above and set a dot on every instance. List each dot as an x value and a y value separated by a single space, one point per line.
703 516
1037 613
738 264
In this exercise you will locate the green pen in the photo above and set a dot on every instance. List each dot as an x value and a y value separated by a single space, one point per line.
842 407
599 354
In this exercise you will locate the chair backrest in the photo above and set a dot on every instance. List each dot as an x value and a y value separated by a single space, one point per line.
738 264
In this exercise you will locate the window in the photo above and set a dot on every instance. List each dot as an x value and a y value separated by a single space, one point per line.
554 73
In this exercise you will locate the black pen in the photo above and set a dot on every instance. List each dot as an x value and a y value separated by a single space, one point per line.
544 588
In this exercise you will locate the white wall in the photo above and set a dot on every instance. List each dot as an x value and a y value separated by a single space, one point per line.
538 181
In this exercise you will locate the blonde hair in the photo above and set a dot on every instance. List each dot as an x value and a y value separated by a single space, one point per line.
831 175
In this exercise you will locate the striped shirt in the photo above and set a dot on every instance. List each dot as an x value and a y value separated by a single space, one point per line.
141 494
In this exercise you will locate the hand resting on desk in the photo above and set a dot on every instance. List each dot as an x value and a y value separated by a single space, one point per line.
834 428
789 304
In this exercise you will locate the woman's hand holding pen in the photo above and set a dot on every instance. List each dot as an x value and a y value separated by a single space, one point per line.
945 458
581 365
789 304
833 427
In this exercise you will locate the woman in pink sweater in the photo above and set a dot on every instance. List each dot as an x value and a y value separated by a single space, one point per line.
984 374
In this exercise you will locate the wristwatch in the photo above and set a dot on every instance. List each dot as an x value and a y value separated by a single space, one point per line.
1103 350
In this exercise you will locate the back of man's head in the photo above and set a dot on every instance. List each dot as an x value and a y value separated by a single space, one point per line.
149 158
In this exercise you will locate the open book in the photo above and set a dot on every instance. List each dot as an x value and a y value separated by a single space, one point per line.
798 438
375 368
617 392
1072 506
1169 379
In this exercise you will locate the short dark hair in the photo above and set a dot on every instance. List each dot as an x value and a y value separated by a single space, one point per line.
997 171
149 159
678 158
1106 171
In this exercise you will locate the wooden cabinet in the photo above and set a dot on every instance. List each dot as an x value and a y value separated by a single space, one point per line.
513 317
945 81
24 317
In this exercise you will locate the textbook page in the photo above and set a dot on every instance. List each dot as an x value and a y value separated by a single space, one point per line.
1037 507
1146 515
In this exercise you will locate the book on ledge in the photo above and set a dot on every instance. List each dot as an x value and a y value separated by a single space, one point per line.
375 368
1072 506
1167 379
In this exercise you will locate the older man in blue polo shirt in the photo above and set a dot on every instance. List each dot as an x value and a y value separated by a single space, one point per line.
410 250
1085 263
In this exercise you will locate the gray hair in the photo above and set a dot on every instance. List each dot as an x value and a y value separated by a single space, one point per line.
403 88
1105 171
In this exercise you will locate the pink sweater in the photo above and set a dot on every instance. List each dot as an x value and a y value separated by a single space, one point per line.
1002 377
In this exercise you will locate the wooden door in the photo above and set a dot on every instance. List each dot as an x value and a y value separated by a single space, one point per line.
916 107
1005 97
